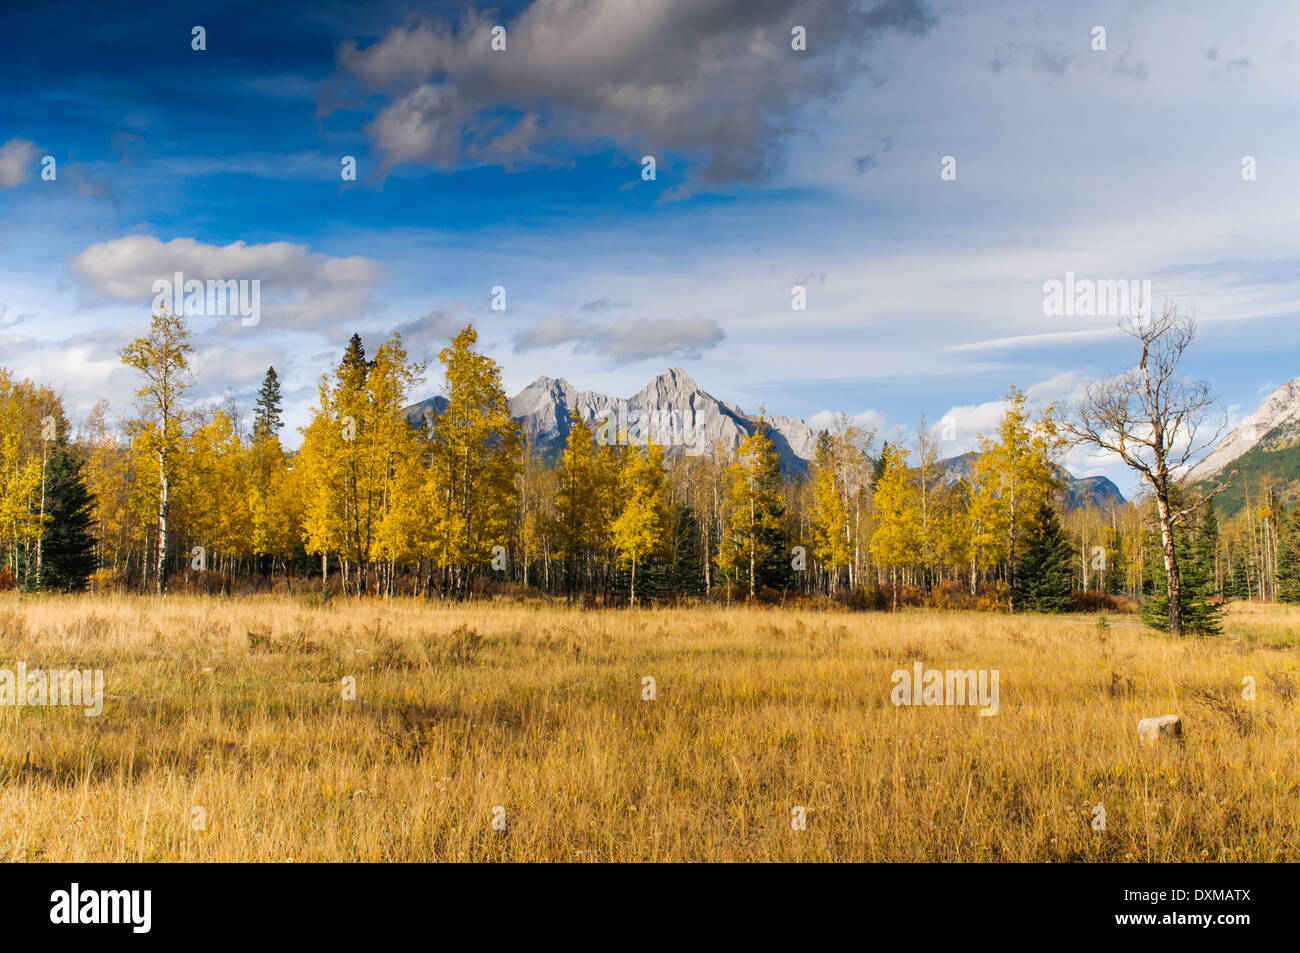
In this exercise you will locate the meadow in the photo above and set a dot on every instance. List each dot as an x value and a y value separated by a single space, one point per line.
226 735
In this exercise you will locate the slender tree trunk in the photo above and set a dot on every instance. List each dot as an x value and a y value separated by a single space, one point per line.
164 507
1173 581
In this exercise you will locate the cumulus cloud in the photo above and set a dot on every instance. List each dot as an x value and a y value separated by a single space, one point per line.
299 288
16 159
716 80
627 340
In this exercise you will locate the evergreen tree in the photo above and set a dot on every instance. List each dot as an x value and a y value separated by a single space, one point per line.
1238 585
266 417
1045 577
686 570
354 360
1200 611
1288 557
68 547
1205 552
882 461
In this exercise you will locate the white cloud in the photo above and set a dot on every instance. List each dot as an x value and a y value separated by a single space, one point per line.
872 420
299 288
16 157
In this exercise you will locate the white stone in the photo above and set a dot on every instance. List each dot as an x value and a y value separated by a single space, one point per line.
1150 729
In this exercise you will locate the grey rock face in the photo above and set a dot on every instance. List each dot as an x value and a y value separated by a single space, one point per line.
675 413
672 410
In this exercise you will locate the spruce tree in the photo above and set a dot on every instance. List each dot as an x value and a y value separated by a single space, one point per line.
68 547
354 368
1238 584
878 468
267 414
685 577
1045 576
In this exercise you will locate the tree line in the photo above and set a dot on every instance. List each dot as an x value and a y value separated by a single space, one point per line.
186 496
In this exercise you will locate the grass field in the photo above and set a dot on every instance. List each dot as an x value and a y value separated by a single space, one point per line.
225 735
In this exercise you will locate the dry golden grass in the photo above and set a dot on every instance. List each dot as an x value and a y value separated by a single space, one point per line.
538 709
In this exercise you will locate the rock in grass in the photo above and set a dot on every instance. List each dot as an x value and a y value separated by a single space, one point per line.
1150 729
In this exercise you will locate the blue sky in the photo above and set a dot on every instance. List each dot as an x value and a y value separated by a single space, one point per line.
775 168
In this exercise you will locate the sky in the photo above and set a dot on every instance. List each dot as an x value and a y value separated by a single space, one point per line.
921 170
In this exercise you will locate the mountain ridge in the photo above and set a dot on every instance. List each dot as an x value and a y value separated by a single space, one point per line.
684 418
1274 425
1264 449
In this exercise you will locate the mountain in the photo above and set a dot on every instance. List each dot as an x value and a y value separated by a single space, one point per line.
676 414
1077 492
426 411
1265 448
672 410
1274 426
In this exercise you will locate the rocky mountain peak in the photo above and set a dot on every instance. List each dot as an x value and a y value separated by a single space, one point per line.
1276 420
673 387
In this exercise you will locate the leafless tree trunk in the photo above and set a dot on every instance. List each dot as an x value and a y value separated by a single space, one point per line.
1155 421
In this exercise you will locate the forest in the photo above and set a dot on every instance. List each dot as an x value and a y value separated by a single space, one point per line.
179 495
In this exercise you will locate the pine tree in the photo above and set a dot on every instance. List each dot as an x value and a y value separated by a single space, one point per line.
1045 577
266 417
1288 557
68 549
354 366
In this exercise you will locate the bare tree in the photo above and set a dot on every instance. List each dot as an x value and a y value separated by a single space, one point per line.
1156 422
